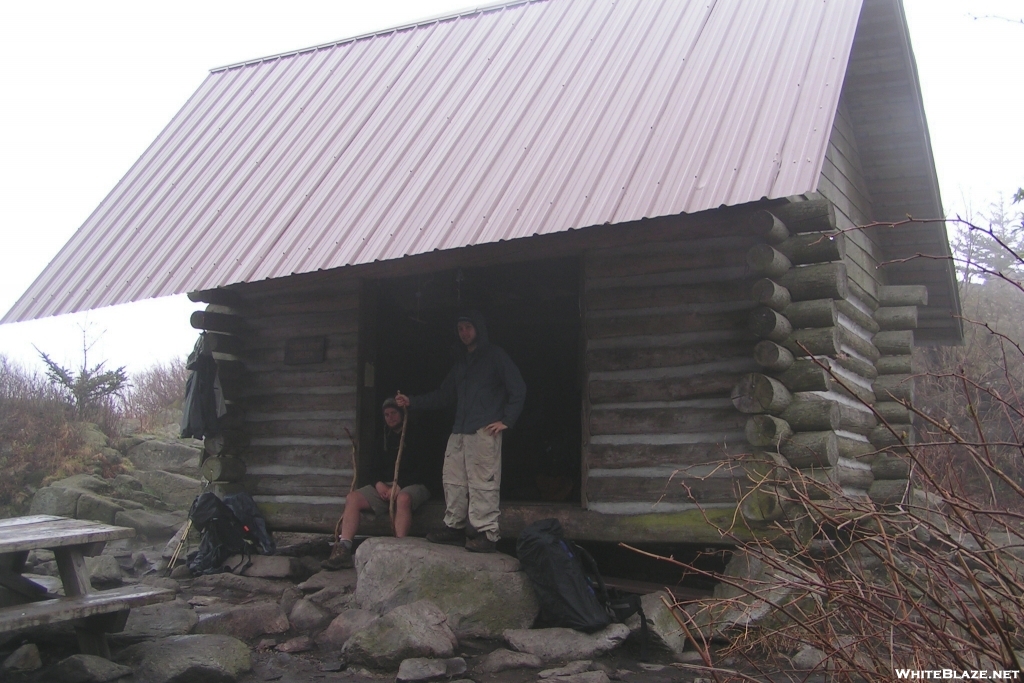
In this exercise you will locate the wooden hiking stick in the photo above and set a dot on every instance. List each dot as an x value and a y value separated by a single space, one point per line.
352 484
392 504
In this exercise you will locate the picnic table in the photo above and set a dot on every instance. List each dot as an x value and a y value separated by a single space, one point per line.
94 613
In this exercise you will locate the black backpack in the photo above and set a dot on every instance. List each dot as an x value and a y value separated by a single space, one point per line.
569 586
252 521
223 535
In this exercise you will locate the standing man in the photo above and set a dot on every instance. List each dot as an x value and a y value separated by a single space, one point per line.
488 393
409 494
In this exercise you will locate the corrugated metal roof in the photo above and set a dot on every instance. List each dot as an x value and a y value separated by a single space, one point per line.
524 119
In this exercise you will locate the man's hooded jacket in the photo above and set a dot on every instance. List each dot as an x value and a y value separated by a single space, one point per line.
484 385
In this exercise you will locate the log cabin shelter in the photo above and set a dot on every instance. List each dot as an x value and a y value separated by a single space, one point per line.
657 204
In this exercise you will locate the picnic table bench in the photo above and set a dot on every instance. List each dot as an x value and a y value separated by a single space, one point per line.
94 613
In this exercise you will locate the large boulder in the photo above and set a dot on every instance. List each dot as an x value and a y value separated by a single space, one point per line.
151 524
756 588
84 482
51 500
179 457
177 490
664 631
196 659
164 619
97 508
344 626
419 629
560 644
247 621
481 594
87 669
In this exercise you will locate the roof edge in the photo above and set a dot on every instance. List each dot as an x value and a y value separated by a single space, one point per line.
479 9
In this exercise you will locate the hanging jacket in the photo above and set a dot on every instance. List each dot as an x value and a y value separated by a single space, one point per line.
484 385
204 399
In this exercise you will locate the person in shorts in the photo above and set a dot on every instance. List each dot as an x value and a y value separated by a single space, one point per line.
410 493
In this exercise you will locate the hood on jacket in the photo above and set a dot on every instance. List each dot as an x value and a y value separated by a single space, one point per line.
477 318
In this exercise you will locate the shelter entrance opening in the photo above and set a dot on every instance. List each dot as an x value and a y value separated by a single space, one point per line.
532 311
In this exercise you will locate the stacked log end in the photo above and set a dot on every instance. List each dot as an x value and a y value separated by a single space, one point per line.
819 362
896 318
223 325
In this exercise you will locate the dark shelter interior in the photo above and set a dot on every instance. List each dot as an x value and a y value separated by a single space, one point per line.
533 312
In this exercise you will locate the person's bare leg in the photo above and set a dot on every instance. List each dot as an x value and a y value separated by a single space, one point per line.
354 504
403 515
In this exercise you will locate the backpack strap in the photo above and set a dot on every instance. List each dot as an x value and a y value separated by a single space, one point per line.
590 566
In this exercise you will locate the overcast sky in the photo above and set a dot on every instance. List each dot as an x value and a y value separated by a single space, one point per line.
88 86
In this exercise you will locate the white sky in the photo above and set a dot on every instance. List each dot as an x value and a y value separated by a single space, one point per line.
88 86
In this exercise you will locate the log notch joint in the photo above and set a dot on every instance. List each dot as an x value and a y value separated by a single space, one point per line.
819 364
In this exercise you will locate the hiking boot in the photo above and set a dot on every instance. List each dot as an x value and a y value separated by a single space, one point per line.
449 536
480 544
341 558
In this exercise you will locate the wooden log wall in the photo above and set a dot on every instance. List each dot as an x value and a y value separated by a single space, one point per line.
894 389
818 364
666 341
295 397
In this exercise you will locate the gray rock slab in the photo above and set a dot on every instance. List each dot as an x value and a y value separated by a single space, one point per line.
25 658
481 594
179 457
88 669
177 490
164 619
161 582
294 645
419 629
195 659
97 508
807 658
504 660
572 668
246 621
582 677
343 579
560 644
306 616
84 482
663 628
104 571
55 500
423 669
157 525
343 626
334 600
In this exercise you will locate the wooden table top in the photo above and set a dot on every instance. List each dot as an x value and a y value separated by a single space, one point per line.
46 531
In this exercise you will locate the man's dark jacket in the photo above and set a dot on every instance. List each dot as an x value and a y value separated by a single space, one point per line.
484 386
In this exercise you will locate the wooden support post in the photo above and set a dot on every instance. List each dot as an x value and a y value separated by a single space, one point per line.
806 375
854 449
888 466
884 436
892 412
815 341
853 474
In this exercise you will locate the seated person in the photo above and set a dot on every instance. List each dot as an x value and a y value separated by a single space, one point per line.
410 492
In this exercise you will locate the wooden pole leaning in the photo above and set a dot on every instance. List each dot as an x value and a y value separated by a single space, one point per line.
392 499
352 484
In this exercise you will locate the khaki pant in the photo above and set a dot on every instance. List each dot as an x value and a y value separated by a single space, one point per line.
472 482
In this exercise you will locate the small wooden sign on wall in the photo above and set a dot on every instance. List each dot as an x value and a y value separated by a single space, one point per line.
305 350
